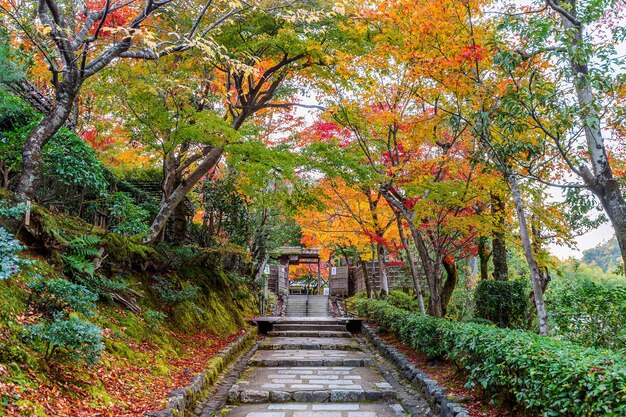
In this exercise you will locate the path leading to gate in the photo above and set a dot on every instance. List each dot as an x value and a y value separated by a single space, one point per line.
314 367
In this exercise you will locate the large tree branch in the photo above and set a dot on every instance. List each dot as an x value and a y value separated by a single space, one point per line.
554 5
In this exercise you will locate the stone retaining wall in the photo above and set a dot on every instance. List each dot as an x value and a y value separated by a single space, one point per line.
181 401
432 391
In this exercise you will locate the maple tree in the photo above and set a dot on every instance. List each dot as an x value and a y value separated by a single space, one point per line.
352 216
419 156
75 43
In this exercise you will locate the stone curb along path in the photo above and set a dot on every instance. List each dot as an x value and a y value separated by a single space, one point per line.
430 389
181 402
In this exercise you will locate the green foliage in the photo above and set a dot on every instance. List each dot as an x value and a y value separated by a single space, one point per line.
505 303
70 166
10 262
54 296
605 255
588 309
226 211
126 217
64 336
154 318
402 300
69 339
477 320
178 256
11 211
78 258
543 375
172 294
102 285
10 71
72 163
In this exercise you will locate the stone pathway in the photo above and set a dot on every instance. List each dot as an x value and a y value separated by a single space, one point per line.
313 367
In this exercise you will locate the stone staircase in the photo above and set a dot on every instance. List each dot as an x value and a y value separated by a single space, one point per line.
317 306
312 367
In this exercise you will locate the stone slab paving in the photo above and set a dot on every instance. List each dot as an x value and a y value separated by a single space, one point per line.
316 373
308 333
307 357
329 384
318 410
310 326
309 343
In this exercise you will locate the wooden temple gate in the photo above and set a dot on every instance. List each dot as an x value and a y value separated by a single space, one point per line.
278 280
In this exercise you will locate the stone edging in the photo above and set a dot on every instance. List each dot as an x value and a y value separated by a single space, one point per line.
432 391
182 401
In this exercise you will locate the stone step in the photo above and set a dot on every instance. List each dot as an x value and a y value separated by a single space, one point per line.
335 395
317 410
304 333
310 327
310 320
309 343
307 384
308 358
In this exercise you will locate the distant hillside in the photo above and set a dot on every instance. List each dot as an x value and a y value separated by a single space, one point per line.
606 255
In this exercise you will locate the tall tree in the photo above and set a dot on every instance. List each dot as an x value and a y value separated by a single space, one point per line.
566 73
265 52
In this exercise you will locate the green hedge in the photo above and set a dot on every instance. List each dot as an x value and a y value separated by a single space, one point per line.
505 303
544 375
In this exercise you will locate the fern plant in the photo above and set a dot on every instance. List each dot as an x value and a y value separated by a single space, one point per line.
78 258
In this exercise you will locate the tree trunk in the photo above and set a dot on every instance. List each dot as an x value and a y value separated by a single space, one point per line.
452 277
612 200
414 274
498 245
366 279
169 205
535 274
601 182
384 281
432 267
484 256
435 305
31 153
179 233
432 270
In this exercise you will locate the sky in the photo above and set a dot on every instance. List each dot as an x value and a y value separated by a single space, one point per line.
584 242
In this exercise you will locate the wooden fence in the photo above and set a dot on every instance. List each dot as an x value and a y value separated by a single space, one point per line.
278 280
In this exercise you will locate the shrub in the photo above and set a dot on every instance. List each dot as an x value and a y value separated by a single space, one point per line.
10 262
168 292
544 375
56 296
69 163
69 339
154 318
478 320
589 312
127 218
402 300
505 303
12 211
65 337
